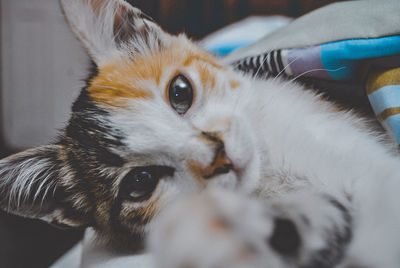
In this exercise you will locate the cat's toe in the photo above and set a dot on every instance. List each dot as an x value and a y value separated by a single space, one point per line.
285 238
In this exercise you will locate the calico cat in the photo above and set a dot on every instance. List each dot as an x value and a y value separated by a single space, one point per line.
161 119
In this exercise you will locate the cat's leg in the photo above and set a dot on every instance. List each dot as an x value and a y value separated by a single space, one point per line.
223 229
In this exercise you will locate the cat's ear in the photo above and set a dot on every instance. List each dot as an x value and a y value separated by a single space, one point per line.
110 28
34 183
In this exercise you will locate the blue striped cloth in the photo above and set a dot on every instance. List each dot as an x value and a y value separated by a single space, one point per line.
383 89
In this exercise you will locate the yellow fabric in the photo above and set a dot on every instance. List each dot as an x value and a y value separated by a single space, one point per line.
381 78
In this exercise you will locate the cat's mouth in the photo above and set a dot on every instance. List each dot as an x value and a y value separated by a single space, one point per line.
218 171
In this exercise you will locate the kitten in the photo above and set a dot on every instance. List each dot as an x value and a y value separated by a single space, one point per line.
160 119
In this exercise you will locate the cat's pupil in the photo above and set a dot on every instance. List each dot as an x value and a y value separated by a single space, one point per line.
180 94
143 178
140 182
143 184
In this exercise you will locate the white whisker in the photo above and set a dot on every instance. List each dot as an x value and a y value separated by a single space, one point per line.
287 66
313 70
262 63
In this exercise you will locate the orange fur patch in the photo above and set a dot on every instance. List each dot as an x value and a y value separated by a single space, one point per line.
196 169
117 80
234 84
206 76
204 57
218 225
115 85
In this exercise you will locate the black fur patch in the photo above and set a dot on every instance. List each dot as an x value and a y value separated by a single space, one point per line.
87 140
89 130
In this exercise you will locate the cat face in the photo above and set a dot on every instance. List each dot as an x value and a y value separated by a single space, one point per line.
158 118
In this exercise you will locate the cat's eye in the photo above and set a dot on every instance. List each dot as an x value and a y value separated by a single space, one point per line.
180 94
140 182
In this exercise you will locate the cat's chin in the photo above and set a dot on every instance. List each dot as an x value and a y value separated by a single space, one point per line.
230 180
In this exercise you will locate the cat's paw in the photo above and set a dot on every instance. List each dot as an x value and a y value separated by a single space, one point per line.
223 229
310 229
213 229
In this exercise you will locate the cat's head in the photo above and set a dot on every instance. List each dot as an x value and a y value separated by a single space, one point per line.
158 118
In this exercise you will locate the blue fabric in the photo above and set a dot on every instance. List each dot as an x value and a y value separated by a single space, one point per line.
384 98
341 58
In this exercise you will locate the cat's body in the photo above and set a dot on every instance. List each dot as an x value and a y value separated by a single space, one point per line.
161 119
317 165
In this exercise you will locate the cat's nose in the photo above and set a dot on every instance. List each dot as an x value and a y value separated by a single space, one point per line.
221 164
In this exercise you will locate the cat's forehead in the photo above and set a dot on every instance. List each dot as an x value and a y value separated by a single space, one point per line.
120 80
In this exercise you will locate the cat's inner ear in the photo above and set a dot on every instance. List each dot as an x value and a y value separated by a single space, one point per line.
33 184
112 28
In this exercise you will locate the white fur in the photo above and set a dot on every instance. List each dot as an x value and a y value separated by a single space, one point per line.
303 142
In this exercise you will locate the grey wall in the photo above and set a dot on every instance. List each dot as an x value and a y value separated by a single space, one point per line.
42 68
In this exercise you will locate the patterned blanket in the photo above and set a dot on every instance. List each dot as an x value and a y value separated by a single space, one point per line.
354 44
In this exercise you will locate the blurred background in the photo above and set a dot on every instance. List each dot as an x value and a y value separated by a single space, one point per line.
42 69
